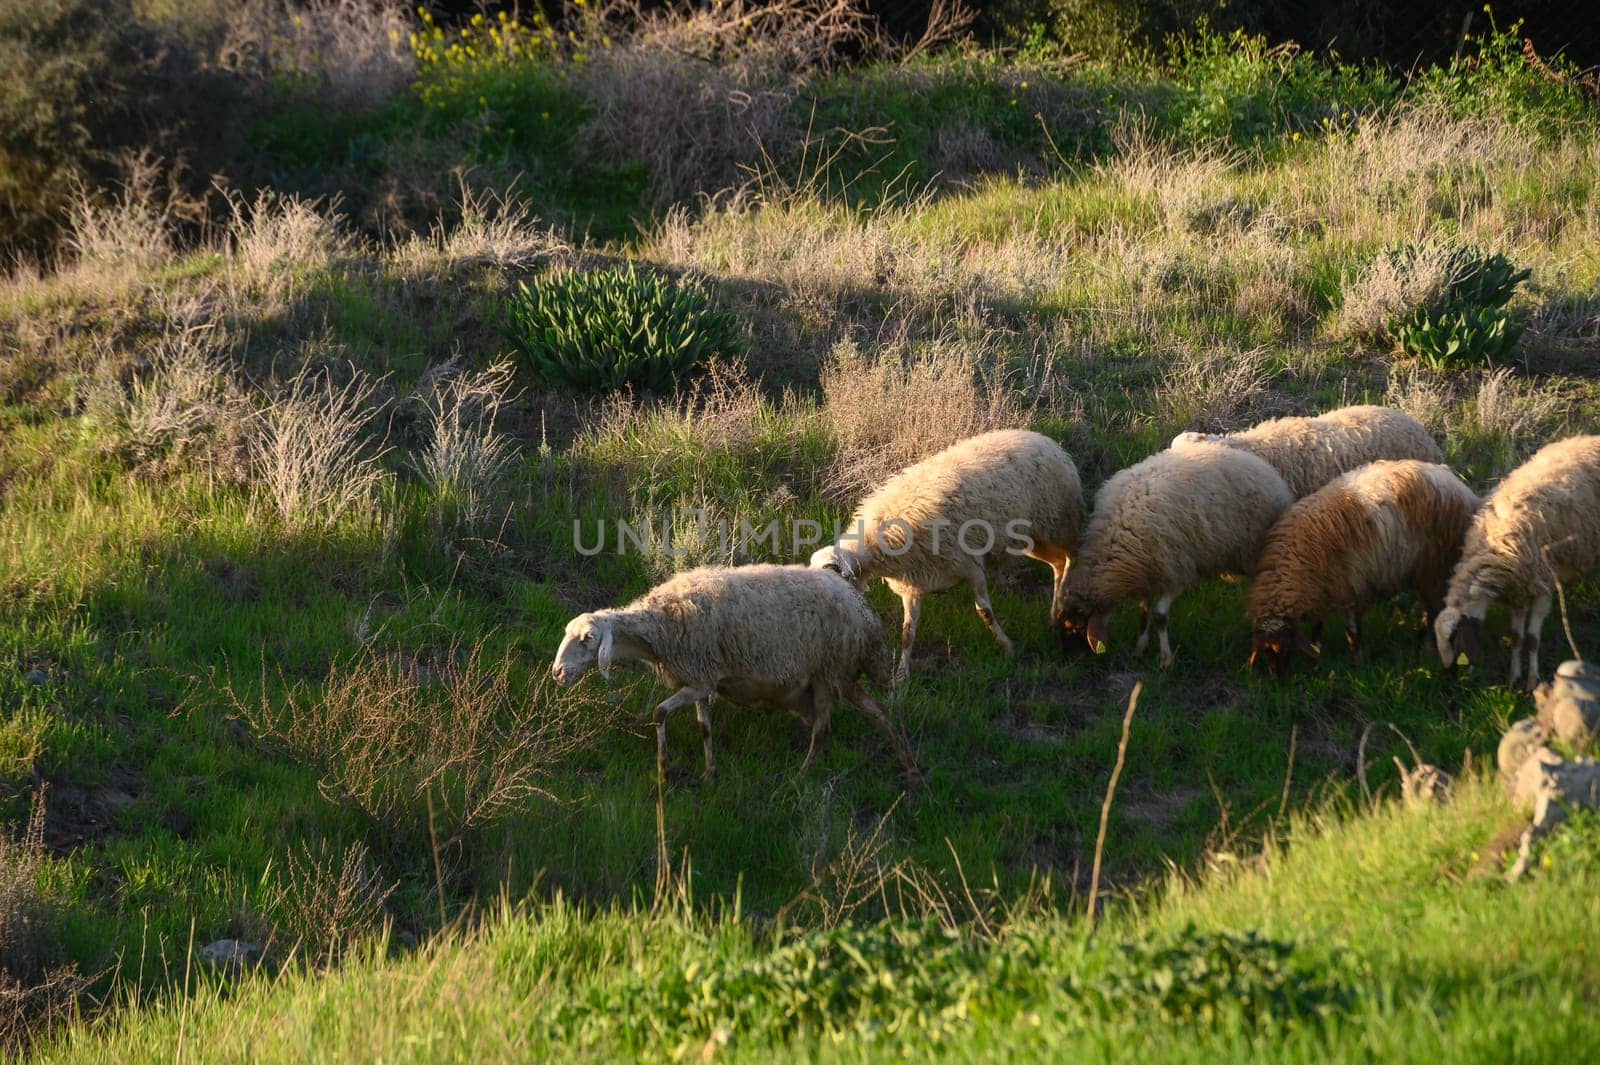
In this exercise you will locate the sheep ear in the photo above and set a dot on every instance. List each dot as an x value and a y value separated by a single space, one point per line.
604 659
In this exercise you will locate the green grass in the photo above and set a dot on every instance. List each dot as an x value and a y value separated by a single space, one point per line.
1124 289
1418 959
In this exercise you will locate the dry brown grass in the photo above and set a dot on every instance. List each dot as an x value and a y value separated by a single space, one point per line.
345 53
329 903
700 95
895 408
36 994
466 458
1490 422
311 452
277 241
429 756
1214 390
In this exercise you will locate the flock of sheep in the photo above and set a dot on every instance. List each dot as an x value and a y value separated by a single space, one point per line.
1326 515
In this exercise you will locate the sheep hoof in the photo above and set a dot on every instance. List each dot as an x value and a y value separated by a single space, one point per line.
1167 660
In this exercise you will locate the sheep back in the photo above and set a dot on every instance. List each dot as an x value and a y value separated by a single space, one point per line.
1552 500
784 626
1368 534
1007 476
1183 513
1310 452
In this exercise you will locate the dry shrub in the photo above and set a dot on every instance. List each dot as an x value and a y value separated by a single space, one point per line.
1212 390
429 757
276 237
1505 420
1490 425
1389 288
700 96
185 408
493 229
330 903
466 458
310 450
36 994
344 53
118 237
889 411
1178 180
722 411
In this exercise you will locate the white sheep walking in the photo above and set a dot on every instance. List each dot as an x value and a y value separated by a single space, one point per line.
1158 526
943 521
782 637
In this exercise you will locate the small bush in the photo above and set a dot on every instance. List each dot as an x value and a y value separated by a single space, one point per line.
428 755
310 452
893 410
1464 322
1238 87
466 457
858 982
1202 978
615 328
36 993
1500 73
329 903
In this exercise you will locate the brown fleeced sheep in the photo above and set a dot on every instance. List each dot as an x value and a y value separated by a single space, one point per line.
1368 534
1158 526
783 637
1310 452
1550 502
941 522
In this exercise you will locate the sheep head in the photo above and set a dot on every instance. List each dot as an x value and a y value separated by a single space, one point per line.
1456 634
587 644
840 561
1275 640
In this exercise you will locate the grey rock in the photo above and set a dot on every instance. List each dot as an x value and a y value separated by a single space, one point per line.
1569 704
231 955
1519 743
1558 786
36 676
1534 777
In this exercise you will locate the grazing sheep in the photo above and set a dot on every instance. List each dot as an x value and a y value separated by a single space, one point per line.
940 522
1551 502
1310 452
1371 533
1158 526
784 637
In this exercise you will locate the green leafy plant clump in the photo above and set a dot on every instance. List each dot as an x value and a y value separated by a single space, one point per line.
1465 321
1199 977
615 328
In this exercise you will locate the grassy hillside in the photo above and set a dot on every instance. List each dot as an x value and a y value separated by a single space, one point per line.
287 544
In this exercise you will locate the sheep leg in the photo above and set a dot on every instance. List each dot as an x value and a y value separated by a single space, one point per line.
1519 624
1056 558
911 601
817 718
1143 642
1160 618
1530 635
867 705
682 697
980 593
1352 631
702 709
